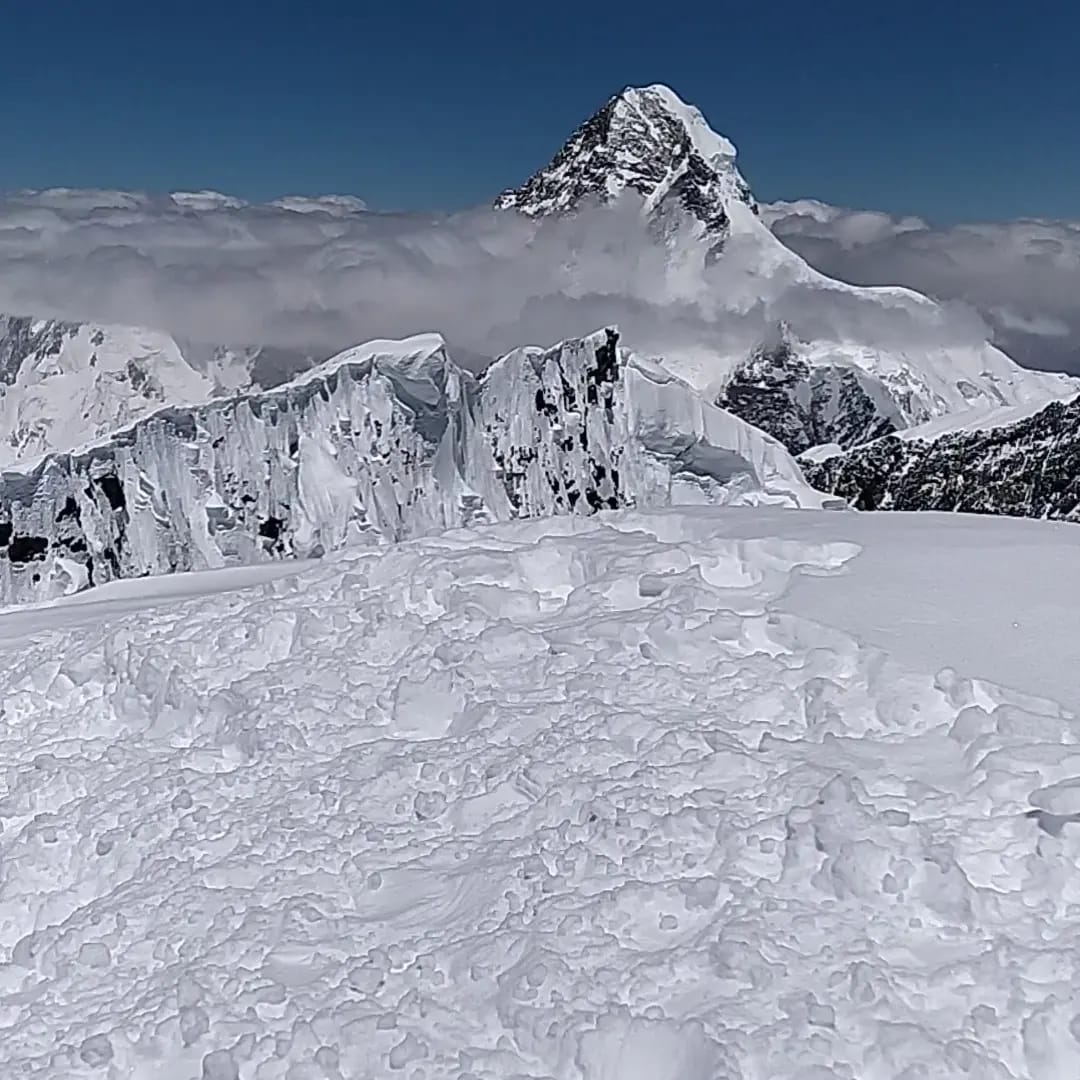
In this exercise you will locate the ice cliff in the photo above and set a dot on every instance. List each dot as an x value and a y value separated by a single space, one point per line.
384 441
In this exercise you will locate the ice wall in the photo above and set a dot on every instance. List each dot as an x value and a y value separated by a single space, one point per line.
383 442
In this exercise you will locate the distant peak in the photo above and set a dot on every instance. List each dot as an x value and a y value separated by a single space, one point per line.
657 98
335 205
206 200
648 140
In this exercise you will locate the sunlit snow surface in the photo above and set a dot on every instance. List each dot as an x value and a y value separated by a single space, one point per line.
595 799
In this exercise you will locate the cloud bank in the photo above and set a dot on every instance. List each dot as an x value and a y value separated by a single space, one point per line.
318 275
1023 277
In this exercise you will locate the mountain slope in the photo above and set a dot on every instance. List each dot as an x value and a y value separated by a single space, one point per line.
64 385
385 441
895 356
1028 468
649 142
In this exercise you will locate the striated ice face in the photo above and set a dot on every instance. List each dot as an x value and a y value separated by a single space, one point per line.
385 441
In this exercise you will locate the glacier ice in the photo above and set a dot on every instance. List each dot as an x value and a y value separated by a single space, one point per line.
382 442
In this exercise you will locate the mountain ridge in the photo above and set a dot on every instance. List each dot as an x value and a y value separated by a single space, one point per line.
649 143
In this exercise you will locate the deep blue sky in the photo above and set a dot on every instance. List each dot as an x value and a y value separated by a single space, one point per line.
920 107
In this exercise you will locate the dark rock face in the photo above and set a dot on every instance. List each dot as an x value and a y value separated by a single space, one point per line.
22 337
633 142
1028 469
803 406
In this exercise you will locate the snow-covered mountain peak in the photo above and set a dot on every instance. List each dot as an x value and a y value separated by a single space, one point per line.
334 205
647 101
63 383
203 201
647 140
855 362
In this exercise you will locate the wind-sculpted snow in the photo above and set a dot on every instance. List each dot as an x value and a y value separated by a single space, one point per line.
385 441
564 799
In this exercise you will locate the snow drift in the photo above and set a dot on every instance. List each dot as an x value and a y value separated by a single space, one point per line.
571 798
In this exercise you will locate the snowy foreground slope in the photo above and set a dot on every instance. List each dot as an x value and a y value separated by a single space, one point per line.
385 441
850 362
578 799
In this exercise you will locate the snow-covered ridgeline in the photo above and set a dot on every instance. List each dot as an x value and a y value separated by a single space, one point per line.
385 441
1027 468
65 385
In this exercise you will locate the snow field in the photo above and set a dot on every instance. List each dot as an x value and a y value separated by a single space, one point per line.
572 798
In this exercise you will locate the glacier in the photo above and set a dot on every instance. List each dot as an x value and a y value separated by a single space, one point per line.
385 441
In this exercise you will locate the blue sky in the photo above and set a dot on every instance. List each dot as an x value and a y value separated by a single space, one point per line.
919 108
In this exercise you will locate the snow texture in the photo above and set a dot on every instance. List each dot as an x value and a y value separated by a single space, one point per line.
575 799
384 441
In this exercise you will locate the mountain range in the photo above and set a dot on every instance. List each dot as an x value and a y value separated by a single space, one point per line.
131 452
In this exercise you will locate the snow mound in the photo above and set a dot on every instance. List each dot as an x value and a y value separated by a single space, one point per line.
565 798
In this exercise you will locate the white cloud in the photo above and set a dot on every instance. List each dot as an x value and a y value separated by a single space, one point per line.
317 277
1022 276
